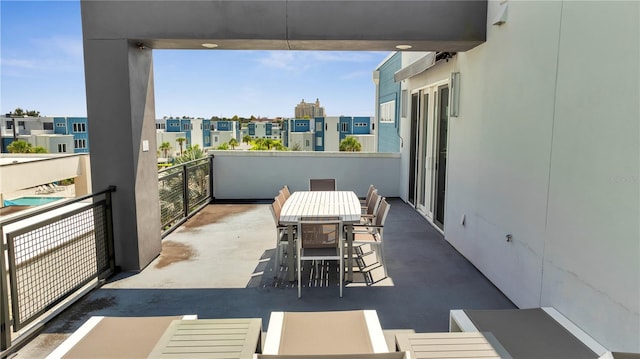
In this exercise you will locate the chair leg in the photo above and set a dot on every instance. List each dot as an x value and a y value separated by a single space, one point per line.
341 260
276 266
298 262
380 253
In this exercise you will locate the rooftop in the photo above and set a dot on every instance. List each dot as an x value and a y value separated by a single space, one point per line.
220 264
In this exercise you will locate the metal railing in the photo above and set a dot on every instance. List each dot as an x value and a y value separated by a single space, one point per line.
48 255
184 189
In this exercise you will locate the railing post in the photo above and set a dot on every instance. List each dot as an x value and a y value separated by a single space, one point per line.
185 191
109 229
5 323
211 196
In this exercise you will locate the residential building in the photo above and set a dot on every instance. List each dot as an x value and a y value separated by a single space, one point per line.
196 131
519 144
391 98
54 134
261 129
76 126
309 110
325 133
223 132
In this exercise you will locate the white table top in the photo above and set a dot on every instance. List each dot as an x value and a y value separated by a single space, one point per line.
342 204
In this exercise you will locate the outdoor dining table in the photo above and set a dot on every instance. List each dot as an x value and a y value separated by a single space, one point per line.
344 205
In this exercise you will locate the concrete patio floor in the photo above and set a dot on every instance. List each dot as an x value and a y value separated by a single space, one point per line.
220 265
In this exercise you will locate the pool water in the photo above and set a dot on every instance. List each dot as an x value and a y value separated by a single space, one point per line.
30 201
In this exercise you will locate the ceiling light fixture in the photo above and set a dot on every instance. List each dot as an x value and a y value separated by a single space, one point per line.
403 47
209 45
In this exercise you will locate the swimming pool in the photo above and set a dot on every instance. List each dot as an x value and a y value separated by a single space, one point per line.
30 201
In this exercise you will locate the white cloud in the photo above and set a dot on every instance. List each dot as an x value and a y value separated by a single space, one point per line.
356 75
298 61
52 55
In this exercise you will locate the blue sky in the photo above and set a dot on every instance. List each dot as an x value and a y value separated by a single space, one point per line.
41 68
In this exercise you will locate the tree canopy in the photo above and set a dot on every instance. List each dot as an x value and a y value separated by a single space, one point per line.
20 112
350 144
22 146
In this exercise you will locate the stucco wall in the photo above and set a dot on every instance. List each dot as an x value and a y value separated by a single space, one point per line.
546 148
260 174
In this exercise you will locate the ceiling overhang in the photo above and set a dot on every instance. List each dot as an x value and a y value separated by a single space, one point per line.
425 25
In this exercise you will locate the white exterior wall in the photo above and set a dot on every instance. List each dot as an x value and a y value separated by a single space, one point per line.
546 148
51 142
368 142
331 134
171 138
302 139
197 133
220 137
232 181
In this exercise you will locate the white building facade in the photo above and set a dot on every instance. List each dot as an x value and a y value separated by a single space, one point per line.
525 152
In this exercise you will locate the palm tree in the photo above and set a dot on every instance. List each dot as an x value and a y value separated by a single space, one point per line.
20 146
259 145
180 141
246 139
350 144
39 149
233 143
192 153
165 147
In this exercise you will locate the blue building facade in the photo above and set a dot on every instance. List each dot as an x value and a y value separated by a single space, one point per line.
180 125
319 134
76 126
389 98
354 126
294 125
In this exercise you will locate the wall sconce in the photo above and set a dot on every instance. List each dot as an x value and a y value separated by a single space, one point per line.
501 16
454 105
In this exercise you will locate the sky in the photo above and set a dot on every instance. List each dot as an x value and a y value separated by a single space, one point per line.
42 69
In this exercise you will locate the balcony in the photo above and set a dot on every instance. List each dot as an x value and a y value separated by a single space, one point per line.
220 262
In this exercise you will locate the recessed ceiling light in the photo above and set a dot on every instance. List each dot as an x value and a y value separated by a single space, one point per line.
403 47
210 46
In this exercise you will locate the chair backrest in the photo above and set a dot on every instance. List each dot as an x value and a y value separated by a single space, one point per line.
276 208
287 193
374 202
381 214
325 184
281 198
318 232
369 192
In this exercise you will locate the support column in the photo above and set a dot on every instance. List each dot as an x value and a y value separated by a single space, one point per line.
121 115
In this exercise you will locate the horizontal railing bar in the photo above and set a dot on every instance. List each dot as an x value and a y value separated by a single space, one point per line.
56 218
53 207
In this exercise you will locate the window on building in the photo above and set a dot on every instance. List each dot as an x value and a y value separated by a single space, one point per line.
318 141
9 125
21 124
306 143
80 143
79 127
345 126
47 126
59 124
388 112
62 147
215 139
